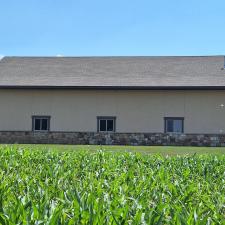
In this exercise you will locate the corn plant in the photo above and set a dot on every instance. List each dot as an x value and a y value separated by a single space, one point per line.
83 187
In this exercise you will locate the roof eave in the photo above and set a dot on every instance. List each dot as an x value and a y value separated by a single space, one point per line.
114 87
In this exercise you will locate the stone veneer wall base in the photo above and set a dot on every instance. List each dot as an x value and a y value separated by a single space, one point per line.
94 138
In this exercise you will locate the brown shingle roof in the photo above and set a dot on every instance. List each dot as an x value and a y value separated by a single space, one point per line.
113 72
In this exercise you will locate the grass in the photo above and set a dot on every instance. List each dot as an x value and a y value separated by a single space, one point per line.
49 184
163 150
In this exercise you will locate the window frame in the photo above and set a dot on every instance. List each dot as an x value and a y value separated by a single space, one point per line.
41 117
173 118
99 118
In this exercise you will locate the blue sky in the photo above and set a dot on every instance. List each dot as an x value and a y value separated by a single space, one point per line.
112 27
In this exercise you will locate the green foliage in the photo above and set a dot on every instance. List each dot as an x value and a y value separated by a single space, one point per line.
81 187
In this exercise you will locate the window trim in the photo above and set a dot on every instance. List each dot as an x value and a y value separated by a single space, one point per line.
40 117
173 118
106 118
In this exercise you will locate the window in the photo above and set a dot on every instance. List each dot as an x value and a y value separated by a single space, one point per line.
106 123
40 123
174 124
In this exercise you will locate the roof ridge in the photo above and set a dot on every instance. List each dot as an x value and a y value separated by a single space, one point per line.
133 56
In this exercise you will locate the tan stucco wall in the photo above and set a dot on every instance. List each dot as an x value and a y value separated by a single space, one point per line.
136 111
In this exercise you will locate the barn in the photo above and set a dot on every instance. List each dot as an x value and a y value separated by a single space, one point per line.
113 100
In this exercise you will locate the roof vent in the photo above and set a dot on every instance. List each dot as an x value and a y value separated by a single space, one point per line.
223 63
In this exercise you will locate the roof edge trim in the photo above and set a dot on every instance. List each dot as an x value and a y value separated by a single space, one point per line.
115 87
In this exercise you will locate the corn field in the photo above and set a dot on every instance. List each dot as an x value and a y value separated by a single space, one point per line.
83 187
